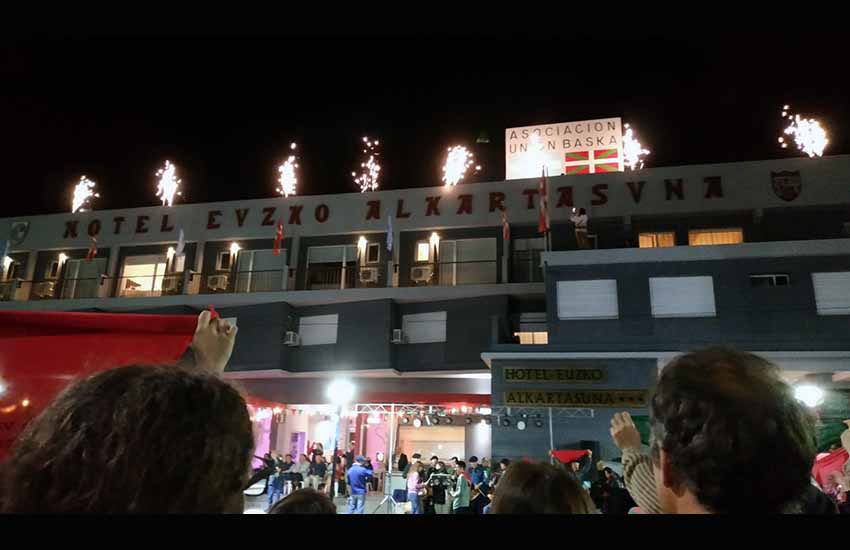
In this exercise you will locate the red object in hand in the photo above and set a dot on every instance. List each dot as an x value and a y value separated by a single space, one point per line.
213 312
568 456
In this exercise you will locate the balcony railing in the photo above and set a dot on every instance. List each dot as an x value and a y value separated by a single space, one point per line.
271 280
149 286
8 289
476 272
335 277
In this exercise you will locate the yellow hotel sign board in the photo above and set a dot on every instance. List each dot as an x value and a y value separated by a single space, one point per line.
564 376
624 399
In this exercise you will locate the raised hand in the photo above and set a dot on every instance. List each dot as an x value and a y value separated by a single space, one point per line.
624 432
213 342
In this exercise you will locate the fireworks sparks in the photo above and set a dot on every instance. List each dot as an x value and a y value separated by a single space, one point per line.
370 170
288 178
458 161
169 184
83 193
633 151
809 136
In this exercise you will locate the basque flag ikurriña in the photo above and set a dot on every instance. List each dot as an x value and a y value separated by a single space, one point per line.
592 161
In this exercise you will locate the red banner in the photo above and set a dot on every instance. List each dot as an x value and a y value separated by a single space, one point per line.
41 352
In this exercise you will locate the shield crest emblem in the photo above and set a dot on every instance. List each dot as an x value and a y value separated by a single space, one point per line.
19 233
786 185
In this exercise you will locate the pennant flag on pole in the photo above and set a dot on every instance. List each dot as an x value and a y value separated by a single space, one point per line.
543 223
278 239
389 233
181 243
92 250
506 228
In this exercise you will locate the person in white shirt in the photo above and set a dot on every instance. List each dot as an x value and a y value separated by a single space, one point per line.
579 219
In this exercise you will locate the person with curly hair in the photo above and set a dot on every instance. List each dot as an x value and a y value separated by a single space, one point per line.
138 439
718 416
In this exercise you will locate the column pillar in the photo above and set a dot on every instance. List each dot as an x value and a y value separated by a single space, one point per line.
112 272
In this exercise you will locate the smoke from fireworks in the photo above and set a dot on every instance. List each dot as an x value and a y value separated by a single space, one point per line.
288 178
809 136
369 168
458 161
169 184
83 192
633 151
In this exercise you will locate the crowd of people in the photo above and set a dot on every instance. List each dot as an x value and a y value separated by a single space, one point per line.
727 437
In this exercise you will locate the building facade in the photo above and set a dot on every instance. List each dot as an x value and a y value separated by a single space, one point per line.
418 296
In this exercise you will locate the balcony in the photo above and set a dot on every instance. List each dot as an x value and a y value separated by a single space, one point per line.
336 277
239 282
147 286
526 267
476 272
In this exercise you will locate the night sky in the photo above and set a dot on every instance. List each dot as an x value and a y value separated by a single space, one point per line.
225 111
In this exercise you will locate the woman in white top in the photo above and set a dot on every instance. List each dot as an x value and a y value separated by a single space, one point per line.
580 220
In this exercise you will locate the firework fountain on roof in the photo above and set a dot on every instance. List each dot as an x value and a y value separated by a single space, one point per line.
288 178
83 193
633 151
807 133
370 170
169 184
457 163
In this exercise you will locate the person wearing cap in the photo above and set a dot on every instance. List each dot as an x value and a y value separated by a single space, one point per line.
357 478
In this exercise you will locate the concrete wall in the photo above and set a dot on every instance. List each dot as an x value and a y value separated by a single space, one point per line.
468 333
533 442
777 318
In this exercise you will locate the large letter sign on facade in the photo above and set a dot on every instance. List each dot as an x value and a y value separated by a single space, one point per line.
584 147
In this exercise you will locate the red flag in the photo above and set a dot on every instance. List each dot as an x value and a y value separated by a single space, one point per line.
543 223
92 250
506 229
89 343
278 239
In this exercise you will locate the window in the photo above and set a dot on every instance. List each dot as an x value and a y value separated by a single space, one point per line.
682 296
14 271
424 328
142 275
177 264
532 337
656 240
325 267
260 271
701 237
373 253
82 278
595 299
832 292
526 260
224 261
52 270
423 251
775 279
318 330
468 261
